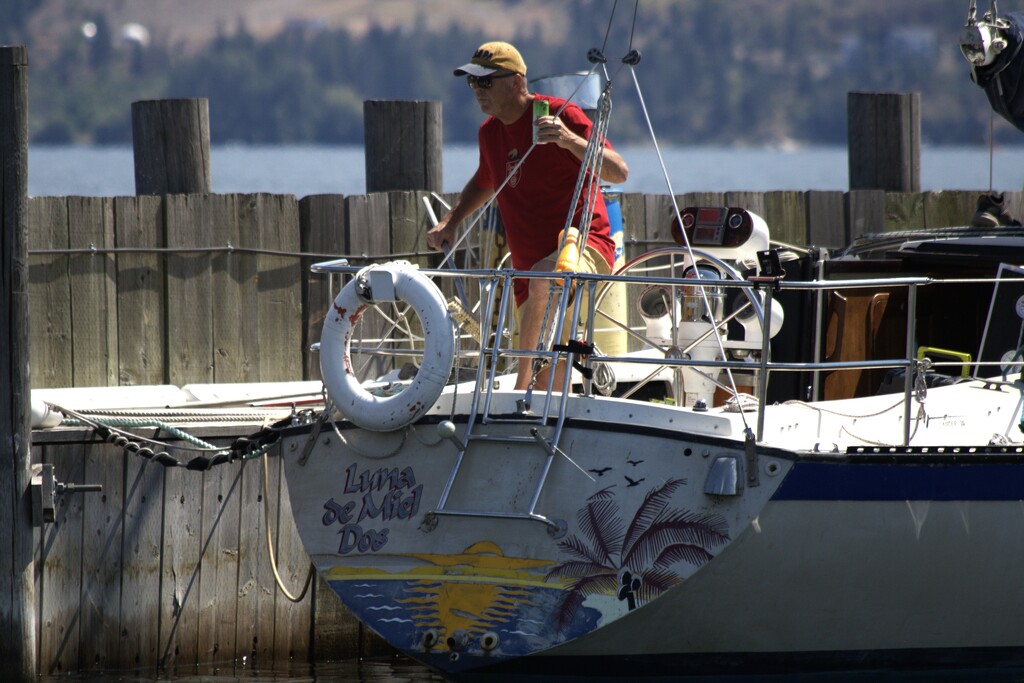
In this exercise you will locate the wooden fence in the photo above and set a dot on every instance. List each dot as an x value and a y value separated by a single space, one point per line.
170 567
186 289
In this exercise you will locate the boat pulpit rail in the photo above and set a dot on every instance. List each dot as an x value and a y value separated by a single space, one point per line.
680 345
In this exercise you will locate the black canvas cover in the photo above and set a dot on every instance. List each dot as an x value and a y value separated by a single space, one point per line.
1003 79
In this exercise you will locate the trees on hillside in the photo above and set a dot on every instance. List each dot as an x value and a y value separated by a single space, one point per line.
755 72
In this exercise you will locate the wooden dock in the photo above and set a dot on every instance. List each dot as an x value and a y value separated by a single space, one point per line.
170 568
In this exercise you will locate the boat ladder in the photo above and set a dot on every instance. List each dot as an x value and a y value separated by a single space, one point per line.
538 431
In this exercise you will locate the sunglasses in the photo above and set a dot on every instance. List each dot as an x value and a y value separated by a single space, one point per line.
485 82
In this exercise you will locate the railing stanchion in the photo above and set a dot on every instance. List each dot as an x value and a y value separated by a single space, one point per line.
908 379
766 338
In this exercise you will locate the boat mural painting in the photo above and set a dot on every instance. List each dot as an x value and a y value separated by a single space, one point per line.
473 588
633 563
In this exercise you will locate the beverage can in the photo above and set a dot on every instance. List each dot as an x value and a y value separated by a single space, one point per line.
540 108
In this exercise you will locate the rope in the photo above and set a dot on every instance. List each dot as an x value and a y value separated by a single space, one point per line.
920 394
270 542
109 430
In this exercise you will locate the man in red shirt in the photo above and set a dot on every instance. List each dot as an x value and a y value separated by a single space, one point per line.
535 201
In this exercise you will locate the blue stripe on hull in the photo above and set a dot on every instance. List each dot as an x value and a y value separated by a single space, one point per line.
904 479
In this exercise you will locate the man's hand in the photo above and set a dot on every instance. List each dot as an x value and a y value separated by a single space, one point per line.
441 233
551 129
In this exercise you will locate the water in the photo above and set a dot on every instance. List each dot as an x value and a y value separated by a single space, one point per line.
302 171
398 670
402 671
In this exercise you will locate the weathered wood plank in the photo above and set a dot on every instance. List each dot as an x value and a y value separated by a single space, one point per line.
254 633
218 583
93 295
322 231
949 208
826 220
179 584
367 226
235 277
884 131
171 141
141 298
335 629
269 500
143 553
17 616
102 542
862 130
865 212
899 116
50 294
751 201
278 294
403 145
786 215
658 226
60 604
409 225
189 288
292 618
903 211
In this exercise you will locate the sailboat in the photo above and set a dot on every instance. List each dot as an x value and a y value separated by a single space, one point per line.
766 459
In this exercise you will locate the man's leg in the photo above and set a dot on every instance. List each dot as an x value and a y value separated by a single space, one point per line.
531 319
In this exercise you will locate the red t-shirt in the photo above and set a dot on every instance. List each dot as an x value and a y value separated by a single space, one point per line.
535 203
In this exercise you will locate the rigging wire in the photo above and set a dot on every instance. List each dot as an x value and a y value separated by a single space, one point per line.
608 30
632 29
688 246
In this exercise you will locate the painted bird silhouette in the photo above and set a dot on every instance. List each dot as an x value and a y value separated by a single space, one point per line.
600 472
633 482
634 463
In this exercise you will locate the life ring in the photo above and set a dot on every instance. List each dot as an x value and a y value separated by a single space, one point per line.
398 280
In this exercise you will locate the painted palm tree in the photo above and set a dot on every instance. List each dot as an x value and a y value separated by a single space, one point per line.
633 562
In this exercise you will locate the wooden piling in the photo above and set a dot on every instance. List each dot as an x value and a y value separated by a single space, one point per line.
17 590
884 141
171 141
403 145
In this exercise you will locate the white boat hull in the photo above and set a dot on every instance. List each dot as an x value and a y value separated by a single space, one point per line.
826 561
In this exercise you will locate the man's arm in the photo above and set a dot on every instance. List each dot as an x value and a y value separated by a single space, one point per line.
553 130
470 199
